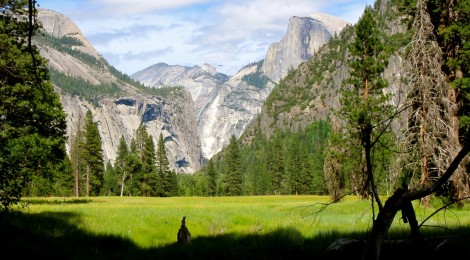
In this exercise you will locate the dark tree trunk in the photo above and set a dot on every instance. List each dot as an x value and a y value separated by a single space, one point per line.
401 200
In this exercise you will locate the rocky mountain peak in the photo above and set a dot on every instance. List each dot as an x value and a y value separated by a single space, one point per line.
333 23
304 37
59 25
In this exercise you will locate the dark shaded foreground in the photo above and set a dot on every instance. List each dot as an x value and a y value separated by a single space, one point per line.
56 236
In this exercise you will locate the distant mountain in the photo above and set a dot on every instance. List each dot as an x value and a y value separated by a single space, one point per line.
85 81
304 37
310 92
226 105
223 105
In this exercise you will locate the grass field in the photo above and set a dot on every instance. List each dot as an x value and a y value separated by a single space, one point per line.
121 227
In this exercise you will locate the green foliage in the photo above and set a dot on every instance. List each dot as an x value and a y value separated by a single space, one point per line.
32 121
65 44
451 25
234 175
365 108
76 86
92 156
211 179
257 79
258 227
110 181
289 163
166 177
121 164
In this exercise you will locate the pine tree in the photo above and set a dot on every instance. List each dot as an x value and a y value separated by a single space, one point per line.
120 165
76 152
32 121
276 165
452 28
93 156
111 182
365 109
165 178
146 150
234 176
211 179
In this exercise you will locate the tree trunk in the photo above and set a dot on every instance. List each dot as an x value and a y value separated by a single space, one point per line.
88 180
76 183
401 200
122 183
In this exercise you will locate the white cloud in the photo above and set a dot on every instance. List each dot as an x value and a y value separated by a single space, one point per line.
131 7
134 34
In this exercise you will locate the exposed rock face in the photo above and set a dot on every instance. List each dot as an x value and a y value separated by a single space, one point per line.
304 37
223 105
121 114
228 110
199 81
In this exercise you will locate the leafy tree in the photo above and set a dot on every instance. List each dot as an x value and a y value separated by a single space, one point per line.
234 177
92 156
32 121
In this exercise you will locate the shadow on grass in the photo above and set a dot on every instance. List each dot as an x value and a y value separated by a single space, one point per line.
26 202
56 236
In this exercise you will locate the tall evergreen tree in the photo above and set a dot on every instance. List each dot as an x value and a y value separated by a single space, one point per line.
234 176
120 165
365 108
76 152
93 156
276 165
146 151
110 182
211 179
165 176
32 121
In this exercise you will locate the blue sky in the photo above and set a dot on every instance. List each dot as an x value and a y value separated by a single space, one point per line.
228 34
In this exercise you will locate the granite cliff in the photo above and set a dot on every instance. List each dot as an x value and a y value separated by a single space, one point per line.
119 112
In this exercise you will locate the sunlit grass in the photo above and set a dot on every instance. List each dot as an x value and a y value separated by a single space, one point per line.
152 222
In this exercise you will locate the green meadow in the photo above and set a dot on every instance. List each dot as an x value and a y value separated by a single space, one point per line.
226 227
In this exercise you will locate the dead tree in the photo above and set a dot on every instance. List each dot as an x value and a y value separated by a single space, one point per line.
431 139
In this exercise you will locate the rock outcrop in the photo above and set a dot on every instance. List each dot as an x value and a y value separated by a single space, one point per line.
223 105
304 37
121 113
226 105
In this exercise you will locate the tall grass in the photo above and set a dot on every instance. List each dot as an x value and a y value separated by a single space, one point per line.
258 225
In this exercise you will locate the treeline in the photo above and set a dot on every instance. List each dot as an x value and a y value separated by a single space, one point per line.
140 169
76 86
287 163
